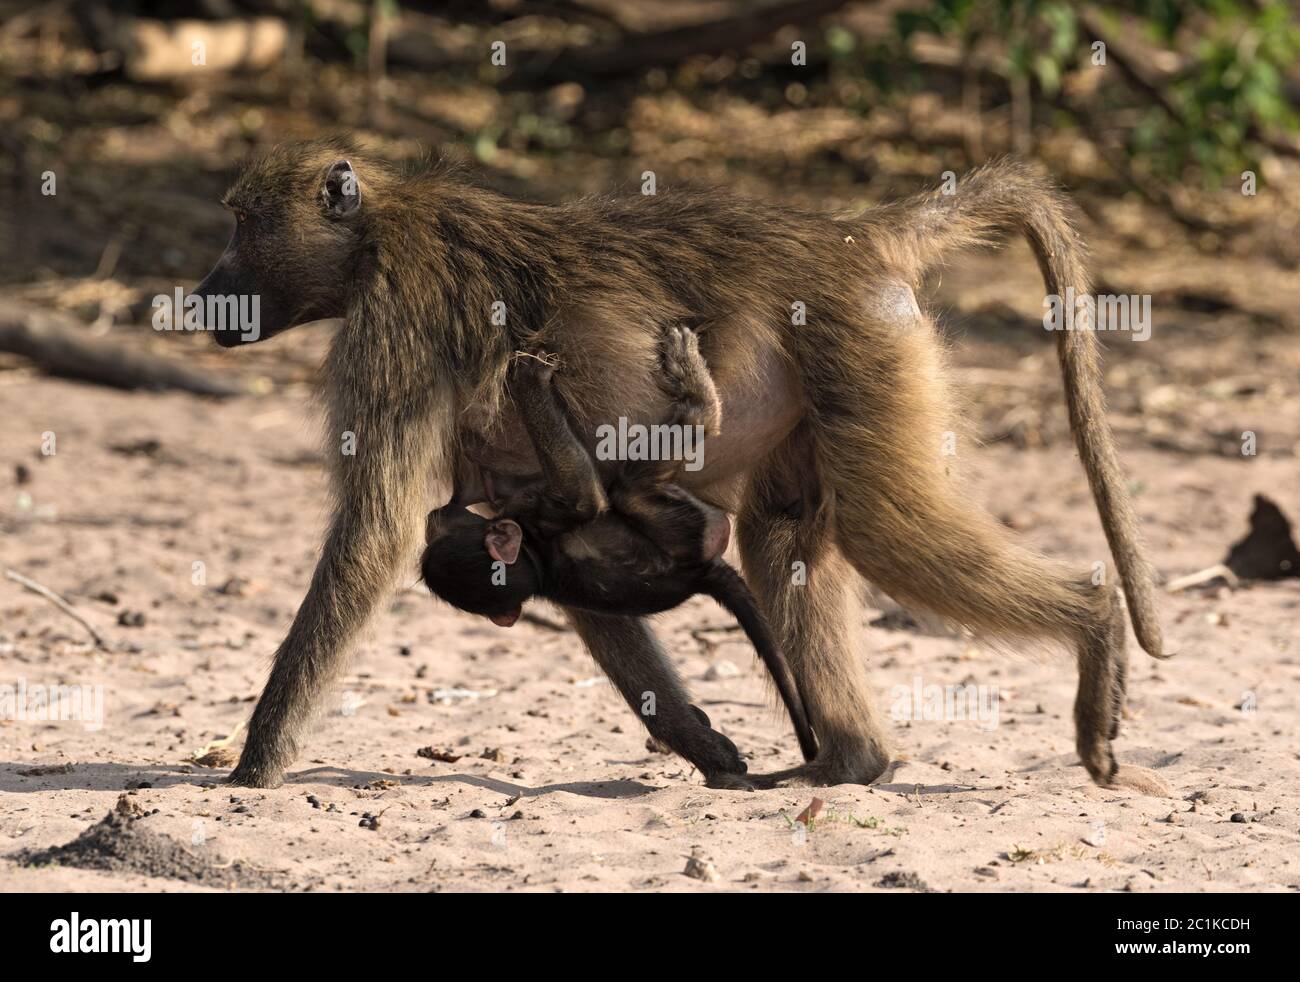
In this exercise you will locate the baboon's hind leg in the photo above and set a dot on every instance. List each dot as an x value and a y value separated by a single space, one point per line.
906 525
806 590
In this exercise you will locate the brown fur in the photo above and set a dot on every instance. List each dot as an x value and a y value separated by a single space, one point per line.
831 433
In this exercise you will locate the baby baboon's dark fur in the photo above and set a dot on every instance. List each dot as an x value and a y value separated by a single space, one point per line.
830 450
647 547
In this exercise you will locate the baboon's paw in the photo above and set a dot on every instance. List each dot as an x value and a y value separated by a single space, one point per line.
795 777
255 777
718 755
681 347
1098 759
819 774
730 782
711 752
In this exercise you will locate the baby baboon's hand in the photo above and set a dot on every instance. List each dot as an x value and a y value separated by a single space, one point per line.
535 368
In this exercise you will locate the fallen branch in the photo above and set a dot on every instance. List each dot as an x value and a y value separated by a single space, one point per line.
635 52
54 598
60 346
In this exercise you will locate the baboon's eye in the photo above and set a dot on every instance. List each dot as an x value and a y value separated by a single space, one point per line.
241 216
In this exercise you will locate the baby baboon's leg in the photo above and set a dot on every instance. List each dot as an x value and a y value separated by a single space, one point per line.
629 654
806 590
907 526
687 381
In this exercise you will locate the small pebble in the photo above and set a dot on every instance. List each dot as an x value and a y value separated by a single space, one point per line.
699 868
721 669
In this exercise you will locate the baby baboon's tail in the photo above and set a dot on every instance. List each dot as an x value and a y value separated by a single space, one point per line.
728 588
1008 196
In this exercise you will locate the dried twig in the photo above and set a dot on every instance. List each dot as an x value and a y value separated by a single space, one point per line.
1207 575
548 358
58 601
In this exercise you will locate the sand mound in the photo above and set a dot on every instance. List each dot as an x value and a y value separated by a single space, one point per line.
121 844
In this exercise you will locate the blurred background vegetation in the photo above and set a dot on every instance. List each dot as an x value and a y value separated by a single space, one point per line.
1159 115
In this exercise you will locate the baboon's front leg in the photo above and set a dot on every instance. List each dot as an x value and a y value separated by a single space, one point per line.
382 492
352 578
628 653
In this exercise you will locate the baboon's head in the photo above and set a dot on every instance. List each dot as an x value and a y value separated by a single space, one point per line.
299 211
474 564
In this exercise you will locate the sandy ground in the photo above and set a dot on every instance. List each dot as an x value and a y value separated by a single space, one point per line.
554 788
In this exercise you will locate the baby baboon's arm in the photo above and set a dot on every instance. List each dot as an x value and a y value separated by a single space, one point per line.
685 379
571 493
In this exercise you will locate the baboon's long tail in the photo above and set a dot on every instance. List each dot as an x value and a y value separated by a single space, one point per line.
1008 196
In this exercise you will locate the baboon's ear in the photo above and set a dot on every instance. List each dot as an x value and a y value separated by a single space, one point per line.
503 540
341 194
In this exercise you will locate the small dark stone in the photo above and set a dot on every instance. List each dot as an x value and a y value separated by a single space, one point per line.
904 881
131 618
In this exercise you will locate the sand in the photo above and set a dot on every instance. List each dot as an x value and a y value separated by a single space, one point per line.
498 760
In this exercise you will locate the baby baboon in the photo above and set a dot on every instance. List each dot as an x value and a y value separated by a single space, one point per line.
654 547
830 377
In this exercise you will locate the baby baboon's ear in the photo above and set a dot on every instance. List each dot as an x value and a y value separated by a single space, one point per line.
341 194
503 540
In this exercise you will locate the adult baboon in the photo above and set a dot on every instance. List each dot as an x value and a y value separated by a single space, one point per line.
830 451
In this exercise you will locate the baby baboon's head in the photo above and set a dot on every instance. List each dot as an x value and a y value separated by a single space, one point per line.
474 564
